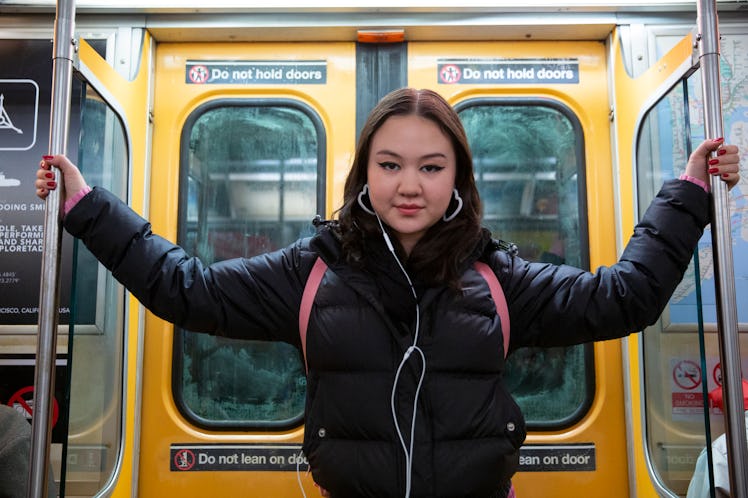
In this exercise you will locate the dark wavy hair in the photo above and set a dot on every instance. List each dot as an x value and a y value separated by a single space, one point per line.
437 258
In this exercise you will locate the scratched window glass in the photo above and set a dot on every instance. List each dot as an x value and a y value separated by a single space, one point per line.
529 167
249 186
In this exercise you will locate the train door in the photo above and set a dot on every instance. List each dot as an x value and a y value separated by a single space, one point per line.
103 389
245 139
676 375
88 440
537 118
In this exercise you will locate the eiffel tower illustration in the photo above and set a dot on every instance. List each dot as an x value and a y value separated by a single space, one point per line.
5 121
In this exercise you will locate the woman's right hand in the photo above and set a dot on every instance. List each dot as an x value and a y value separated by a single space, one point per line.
726 165
71 175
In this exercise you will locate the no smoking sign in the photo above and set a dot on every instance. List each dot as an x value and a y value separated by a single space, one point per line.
23 401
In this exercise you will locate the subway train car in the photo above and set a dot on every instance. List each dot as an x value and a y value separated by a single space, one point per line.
230 127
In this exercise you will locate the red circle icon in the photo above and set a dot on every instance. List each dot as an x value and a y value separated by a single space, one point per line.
184 459
717 374
687 374
24 398
199 74
450 74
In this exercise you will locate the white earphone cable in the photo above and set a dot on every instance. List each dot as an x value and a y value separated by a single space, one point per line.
407 448
298 473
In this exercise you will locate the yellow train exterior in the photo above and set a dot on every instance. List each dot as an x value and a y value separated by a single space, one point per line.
229 130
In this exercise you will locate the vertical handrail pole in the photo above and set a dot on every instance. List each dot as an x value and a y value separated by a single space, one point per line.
46 348
727 314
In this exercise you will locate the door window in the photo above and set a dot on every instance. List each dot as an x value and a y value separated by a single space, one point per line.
529 168
252 172
97 313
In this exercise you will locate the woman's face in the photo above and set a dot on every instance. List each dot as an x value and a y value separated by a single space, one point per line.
411 174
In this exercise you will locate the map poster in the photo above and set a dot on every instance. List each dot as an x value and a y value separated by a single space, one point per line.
734 91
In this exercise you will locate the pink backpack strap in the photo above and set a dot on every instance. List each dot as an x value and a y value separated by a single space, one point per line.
319 269
497 294
307 300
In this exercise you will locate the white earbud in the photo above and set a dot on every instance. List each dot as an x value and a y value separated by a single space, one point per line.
364 192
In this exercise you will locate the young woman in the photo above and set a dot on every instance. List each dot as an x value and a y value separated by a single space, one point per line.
405 392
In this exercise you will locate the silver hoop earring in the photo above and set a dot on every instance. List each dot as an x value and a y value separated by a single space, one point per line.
365 192
457 209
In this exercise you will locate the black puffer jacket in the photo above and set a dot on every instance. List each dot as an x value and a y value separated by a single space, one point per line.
468 429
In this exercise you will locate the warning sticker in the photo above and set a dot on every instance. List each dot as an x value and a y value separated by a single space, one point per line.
256 72
687 374
23 401
688 402
252 457
686 388
289 457
17 391
559 458
507 71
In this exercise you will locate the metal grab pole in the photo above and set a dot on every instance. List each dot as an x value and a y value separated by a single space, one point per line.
727 314
41 427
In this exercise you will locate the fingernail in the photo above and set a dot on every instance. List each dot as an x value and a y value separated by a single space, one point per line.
721 152
51 184
712 162
49 175
713 170
48 157
725 175
716 140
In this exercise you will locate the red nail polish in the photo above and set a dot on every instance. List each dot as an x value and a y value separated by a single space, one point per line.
725 175
51 184
712 162
713 170
49 175
48 157
716 140
721 152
